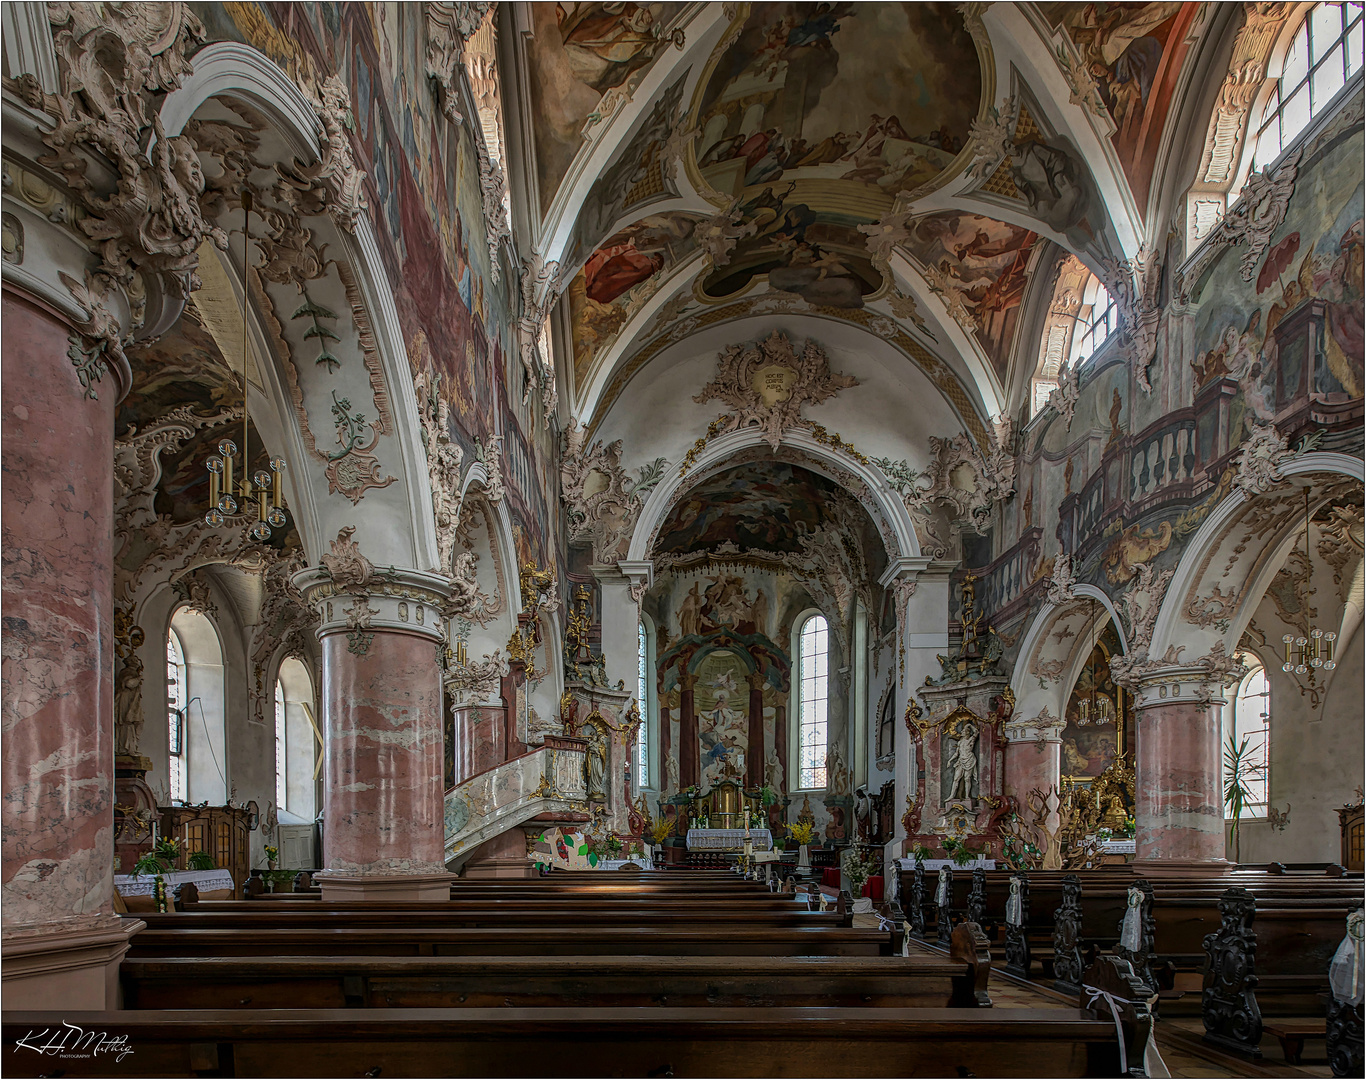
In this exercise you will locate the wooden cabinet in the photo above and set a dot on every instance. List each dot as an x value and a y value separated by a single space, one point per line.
220 830
1351 818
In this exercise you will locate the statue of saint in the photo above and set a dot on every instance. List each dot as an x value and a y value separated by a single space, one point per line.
596 765
128 708
964 762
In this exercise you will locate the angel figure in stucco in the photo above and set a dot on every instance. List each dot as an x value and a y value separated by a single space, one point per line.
964 762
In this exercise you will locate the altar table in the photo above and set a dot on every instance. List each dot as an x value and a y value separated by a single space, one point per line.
728 839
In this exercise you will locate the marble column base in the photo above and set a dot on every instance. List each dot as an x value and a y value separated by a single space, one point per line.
71 965
384 888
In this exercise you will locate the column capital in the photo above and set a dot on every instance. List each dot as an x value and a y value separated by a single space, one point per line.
1170 681
393 599
905 568
1043 728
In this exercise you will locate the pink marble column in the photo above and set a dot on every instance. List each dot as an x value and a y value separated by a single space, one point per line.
1180 817
384 834
57 709
1031 764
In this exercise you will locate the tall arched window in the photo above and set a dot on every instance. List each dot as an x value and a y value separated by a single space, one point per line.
197 759
813 653
176 699
1324 53
643 699
298 747
1097 319
1247 729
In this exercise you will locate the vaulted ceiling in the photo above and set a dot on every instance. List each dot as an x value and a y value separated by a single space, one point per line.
909 169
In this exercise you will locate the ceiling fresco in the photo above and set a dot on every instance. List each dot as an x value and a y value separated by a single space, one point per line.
579 53
764 505
621 276
791 98
983 264
1134 52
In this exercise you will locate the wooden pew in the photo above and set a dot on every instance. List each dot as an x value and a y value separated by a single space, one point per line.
607 940
538 982
567 1041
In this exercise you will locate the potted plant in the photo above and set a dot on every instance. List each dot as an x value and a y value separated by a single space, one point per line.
958 851
202 860
1239 769
660 831
157 862
272 856
802 832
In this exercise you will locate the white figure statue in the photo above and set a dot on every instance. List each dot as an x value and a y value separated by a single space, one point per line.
964 762
597 766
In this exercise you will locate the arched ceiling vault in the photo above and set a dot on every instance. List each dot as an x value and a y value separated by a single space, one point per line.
701 162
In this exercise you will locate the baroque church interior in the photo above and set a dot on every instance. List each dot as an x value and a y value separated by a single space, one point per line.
682 539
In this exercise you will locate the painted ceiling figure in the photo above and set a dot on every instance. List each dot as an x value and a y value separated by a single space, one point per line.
606 43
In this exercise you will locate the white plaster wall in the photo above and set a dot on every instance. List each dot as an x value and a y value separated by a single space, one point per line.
1316 764
891 412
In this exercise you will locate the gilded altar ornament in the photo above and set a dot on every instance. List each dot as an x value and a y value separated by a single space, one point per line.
915 715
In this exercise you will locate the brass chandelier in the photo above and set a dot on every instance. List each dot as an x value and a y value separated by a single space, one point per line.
259 494
1304 653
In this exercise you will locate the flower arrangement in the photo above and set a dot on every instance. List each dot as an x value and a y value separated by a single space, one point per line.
920 853
802 831
158 861
272 855
859 868
661 830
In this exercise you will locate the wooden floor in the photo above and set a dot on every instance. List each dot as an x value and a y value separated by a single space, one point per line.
1178 1040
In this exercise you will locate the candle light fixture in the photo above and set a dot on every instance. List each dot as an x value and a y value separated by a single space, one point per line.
259 493
1314 649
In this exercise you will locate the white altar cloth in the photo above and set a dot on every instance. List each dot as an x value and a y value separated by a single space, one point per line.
728 839
144 885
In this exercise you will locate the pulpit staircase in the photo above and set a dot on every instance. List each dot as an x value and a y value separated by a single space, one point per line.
548 779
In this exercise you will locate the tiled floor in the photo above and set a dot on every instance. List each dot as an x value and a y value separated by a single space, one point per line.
1181 1058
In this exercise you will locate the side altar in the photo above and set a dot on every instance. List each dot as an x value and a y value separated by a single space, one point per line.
959 745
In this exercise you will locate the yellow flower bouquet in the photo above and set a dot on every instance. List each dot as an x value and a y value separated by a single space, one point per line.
802 831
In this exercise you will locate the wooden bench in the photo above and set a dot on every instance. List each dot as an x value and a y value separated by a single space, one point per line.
604 940
1292 1035
571 1042
538 982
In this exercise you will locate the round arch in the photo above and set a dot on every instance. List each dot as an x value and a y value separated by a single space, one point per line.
1198 579
889 509
232 70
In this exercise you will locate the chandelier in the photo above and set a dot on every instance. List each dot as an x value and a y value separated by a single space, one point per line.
259 494
1314 648
1098 709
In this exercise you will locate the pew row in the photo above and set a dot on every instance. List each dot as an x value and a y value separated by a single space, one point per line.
566 1041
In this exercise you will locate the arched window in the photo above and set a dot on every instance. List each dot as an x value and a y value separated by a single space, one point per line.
643 699
1324 53
1097 319
175 715
298 746
1247 730
197 757
813 652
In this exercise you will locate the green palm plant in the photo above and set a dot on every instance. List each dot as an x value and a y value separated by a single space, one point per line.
1239 769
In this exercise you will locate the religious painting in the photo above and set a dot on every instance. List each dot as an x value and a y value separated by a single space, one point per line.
637 176
770 505
1134 53
721 699
577 53
1308 286
1090 743
802 92
619 279
819 256
984 264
